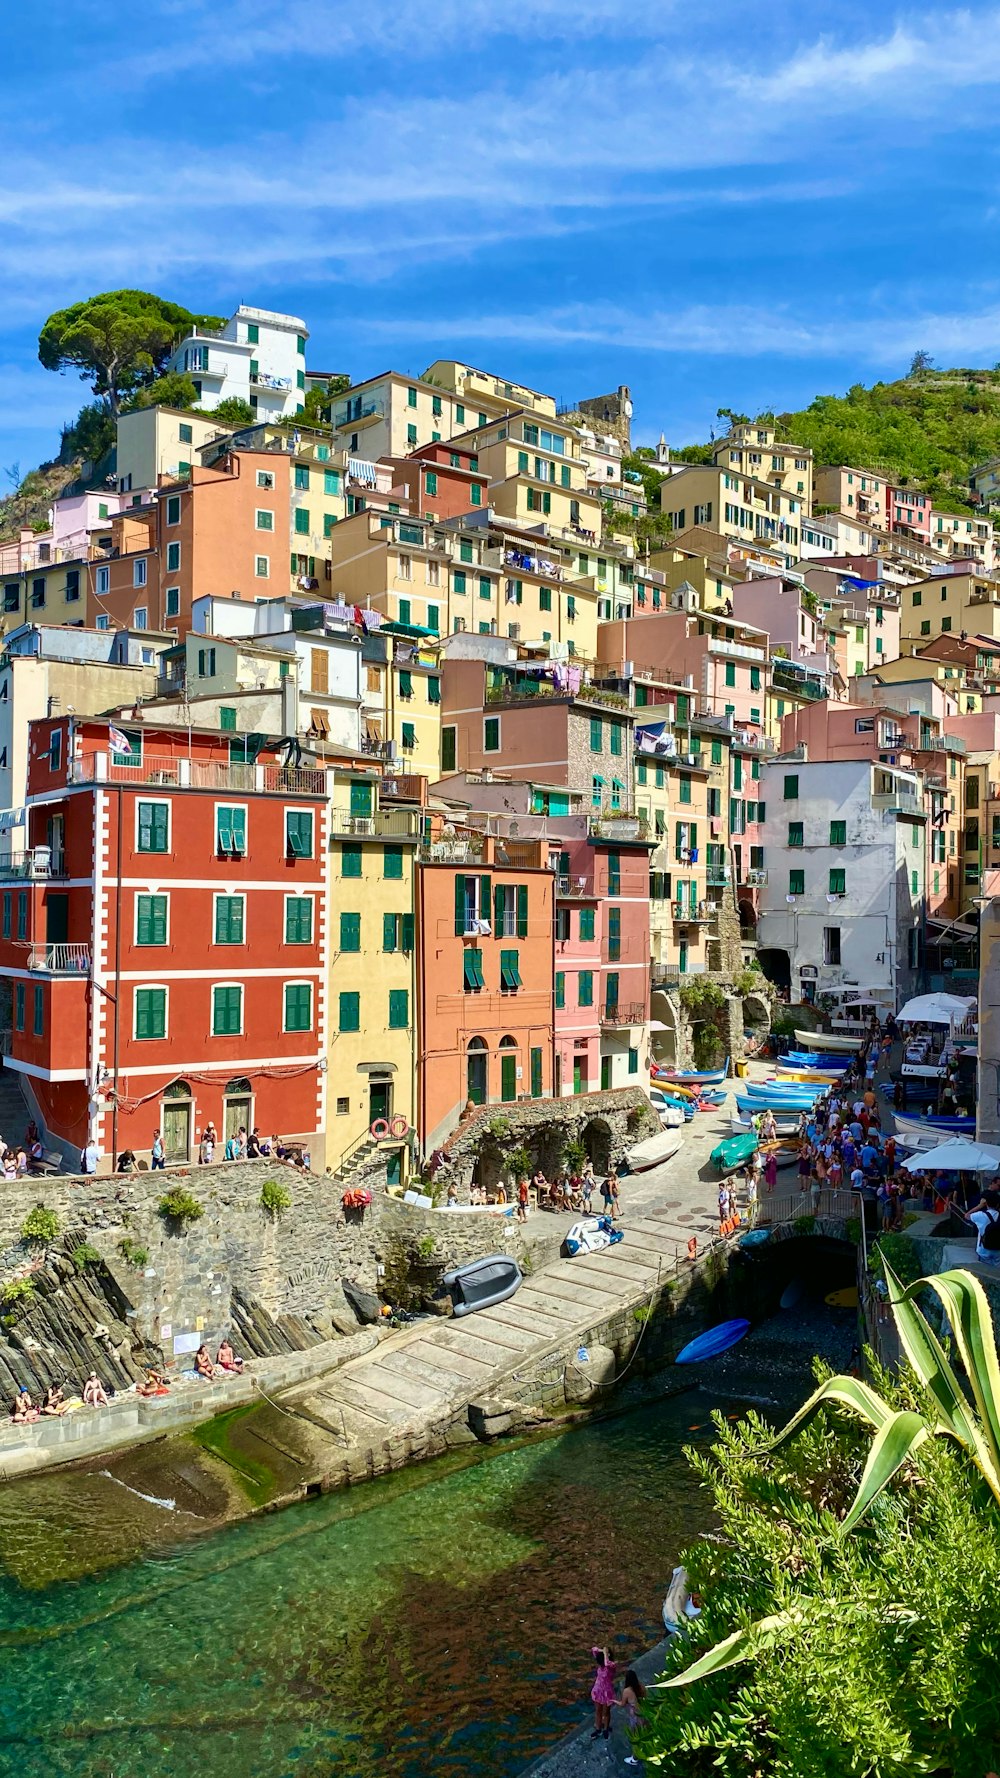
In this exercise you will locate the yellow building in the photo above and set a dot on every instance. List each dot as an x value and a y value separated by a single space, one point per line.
945 604
745 510
537 475
390 415
754 450
153 442
371 989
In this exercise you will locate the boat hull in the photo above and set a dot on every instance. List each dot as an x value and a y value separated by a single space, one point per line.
482 1283
832 1040
653 1152
733 1153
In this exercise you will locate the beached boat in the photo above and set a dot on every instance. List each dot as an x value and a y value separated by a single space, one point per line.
709 1077
830 1040
775 1101
591 1235
482 1283
825 1059
654 1151
764 1091
817 1077
785 1125
915 1130
733 1152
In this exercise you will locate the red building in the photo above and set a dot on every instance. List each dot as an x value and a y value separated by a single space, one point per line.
164 935
442 481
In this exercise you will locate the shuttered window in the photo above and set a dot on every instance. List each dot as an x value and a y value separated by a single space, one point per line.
399 1009
151 920
350 932
150 1013
298 1008
229 921
154 827
227 1011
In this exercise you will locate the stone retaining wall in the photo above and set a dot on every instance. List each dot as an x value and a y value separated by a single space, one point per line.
612 1122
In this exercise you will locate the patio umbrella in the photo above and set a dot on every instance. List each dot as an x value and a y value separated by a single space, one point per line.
936 1009
957 1157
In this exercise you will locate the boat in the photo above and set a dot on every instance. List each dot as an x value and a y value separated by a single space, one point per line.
709 1077
590 1235
831 1040
913 1131
654 1151
824 1059
785 1126
715 1341
784 1156
482 1283
755 1237
777 1102
733 1152
807 1077
792 1092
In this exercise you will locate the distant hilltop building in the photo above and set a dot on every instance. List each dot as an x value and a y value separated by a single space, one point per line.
614 412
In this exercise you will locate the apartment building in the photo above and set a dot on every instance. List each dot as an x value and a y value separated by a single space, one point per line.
725 662
858 494
739 508
602 915
909 513
157 443
257 356
949 601
390 415
135 1005
536 474
962 536
754 450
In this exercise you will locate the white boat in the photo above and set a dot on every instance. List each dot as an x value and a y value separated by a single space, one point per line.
654 1151
833 1042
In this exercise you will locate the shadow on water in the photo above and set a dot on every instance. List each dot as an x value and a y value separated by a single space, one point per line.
438 1622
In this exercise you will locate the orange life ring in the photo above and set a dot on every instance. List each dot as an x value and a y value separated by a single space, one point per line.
399 1126
380 1129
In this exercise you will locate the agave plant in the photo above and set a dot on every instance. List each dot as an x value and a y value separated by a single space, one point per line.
975 1427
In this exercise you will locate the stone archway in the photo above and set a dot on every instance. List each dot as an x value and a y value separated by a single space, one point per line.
596 1140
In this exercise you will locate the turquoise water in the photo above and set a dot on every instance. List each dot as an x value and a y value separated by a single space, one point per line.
404 1630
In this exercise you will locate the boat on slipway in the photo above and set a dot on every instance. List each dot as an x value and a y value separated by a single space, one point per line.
830 1040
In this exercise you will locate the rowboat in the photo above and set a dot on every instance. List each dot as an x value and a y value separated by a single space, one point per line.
925 1132
733 1152
775 1101
709 1077
764 1090
807 1076
653 1151
831 1040
482 1283
785 1126
825 1059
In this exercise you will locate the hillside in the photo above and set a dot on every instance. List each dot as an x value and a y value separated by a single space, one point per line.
28 503
931 428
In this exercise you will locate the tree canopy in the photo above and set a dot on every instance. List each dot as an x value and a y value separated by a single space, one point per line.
119 341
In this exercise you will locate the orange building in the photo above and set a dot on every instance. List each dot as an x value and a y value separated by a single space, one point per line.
485 976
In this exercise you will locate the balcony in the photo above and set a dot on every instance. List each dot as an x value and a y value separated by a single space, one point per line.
737 651
756 879
376 749
899 802
702 915
618 829
670 975
195 774
388 824
404 787
452 851
945 744
625 1012
60 959
718 876
35 865
576 888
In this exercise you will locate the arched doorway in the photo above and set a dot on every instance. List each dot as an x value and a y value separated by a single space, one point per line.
176 1118
237 1107
777 967
508 1068
748 920
475 1070
597 1142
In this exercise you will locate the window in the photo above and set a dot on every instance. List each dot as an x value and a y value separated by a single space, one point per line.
349 1012
586 925
262 567
55 749
510 974
302 475
838 833
486 587
38 1021
37 594
614 874
303 524
431 481
596 735
19 1006
185 433
795 833
433 682
585 988
102 583
392 862
436 408
472 970
140 617
231 829
614 934
153 820
791 787
149 1018
173 598
298 1009
174 509
404 611
491 734
409 736
298 833
838 882
230 924
831 944
560 990
449 749
796 882
730 672
173 558
399 1009
227 1010
12 596
151 919
476 494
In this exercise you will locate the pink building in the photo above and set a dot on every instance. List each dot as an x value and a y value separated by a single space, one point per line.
724 661
601 964
777 606
909 513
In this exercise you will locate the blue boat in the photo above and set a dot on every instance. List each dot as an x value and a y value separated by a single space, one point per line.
763 1091
709 1077
772 1102
711 1344
830 1064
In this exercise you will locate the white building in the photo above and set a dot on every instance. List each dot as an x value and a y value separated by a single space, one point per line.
315 653
258 357
843 900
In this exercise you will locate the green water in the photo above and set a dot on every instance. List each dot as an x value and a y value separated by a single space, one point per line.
438 1623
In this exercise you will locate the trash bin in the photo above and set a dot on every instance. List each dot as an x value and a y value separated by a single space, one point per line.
741 1071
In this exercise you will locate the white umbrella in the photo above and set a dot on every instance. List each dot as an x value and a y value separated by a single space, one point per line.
957 1157
935 1009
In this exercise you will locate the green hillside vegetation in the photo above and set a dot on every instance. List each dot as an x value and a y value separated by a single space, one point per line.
930 429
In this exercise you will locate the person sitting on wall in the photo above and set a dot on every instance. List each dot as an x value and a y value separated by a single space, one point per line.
94 1393
227 1358
127 1162
23 1409
36 1157
53 1400
155 1384
203 1365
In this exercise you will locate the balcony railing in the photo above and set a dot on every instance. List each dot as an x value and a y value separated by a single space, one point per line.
624 1012
404 787
60 959
718 875
702 915
756 879
575 888
905 803
40 862
620 828
452 851
403 824
196 774
376 749
668 975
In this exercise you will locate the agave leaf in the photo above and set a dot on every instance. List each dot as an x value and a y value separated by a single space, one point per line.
849 1392
741 1646
968 1311
892 1446
930 1361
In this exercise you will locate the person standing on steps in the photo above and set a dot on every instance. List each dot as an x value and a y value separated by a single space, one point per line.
157 1158
602 1693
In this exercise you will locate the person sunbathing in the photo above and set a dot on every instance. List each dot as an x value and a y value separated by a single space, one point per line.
155 1384
227 1358
53 1401
94 1392
23 1410
203 1365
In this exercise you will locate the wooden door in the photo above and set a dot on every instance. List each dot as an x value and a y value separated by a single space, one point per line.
175 1128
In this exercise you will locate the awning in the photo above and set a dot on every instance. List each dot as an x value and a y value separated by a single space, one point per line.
360 470
11 818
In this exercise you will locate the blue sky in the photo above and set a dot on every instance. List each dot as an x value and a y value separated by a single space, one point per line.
720 205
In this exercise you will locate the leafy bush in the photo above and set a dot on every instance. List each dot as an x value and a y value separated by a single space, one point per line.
40 1225
901 1255
519 1162
85 1255
499 1127
180 1206
133 1254
852 1228
275 1197
707 1046
700 995
574 1155
425 1247
16 1290
803 1225
750 981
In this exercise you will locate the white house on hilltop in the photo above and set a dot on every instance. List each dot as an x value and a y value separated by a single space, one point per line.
257 356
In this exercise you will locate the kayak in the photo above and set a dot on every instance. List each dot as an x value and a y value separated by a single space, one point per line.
734 1152
717 1340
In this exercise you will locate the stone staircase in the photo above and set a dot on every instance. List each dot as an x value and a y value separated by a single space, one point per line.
14 1112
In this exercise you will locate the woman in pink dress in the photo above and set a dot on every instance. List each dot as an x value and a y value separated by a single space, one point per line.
603 1693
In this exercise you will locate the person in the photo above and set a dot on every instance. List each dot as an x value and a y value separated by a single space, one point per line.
234 1148
633 1692
899 1095
768 1129
615 1201
227 1358
94 1392
23 1409
771 1170
589 1183
157 1156
602 1692
253 1145
452 1203
206 1148
21 1164
522 1200
987 1212
126 1162
89 1157
52 1400
155 1384
36 1157
203 1365
607 1195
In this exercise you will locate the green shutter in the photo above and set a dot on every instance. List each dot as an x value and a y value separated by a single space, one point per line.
350 861
472 968
361 798
350 1012
585 988
596 734
536 1074
298 1007
611 990
484 898
522 910
406 683
407 932
227 1006
560 990
392 862
151 920
150 1012
388 932
153 825
299 833
229 920
510 974
38 1024
586 924
350 932
399 1009
459 906
409 736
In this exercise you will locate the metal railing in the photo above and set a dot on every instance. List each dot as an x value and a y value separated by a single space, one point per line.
61 959
624 1012
406 786
572 888
38 862
196 774
384 824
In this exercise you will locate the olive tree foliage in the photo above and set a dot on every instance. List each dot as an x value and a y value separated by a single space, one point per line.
119 341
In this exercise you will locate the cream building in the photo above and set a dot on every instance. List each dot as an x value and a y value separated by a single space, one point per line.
754 451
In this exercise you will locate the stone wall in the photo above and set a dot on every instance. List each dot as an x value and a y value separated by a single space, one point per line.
607 1123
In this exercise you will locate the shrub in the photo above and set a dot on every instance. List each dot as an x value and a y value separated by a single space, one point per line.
40 1225
853 1229
274 1196
85 1255
519 1162
700 995
574 1155
901 1255
499 1127
133 1254
16 1290
180 1206
642 1313
804 1225
425 1247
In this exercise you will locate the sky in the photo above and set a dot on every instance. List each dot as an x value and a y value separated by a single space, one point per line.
718 205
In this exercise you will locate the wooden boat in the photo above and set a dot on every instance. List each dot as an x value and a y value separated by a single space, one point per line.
709 1077
786 1155
733 1152
807 1076
654 1151
824 1059
775 1101
914 1131
831 1040
796 1091
785 1126
482 1283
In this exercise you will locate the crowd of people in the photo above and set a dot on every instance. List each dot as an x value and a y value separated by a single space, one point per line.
239 1147
54 1402
573 1191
